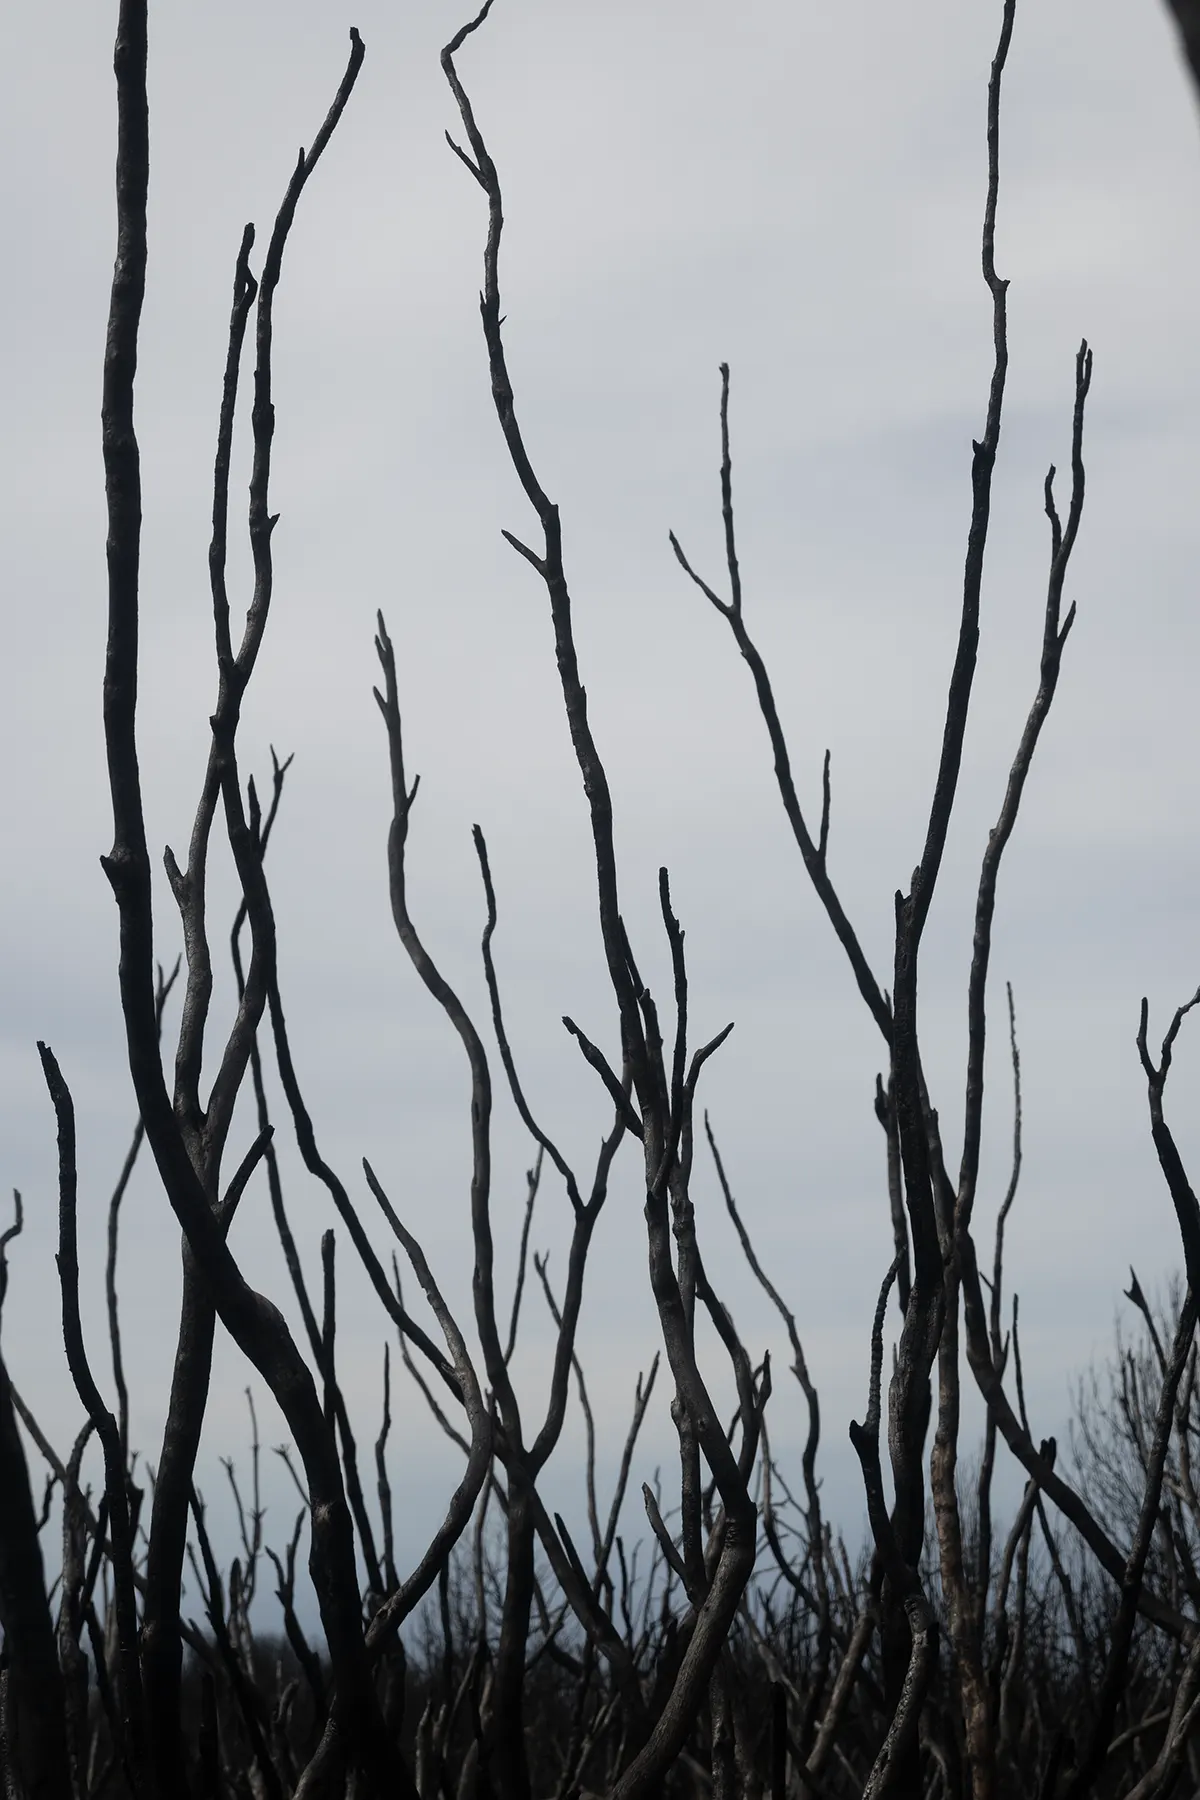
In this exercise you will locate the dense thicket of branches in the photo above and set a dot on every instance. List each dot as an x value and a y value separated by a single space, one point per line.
739 1648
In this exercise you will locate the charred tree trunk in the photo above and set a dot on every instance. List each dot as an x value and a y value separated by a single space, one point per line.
36 1743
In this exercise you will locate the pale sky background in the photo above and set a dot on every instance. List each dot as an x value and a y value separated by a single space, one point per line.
797 190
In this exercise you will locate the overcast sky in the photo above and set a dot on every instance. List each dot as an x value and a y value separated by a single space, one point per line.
797 190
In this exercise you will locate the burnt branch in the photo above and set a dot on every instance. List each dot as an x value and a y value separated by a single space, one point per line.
397 1607
132 1705
481 1081
545 1145
1187 1211
813 854
163 986
255 1325
533 1180
1055 631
